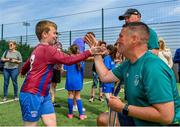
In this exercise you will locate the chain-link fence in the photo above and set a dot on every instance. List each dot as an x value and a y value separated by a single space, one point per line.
162 16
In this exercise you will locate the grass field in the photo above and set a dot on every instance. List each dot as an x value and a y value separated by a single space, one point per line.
10 113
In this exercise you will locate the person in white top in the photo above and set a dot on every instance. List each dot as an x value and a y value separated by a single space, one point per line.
165 53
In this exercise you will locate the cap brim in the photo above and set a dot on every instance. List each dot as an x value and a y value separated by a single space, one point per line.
122 17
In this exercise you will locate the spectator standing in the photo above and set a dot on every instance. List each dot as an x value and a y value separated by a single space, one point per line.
56 78
11 68
108 88
133 15
177 60
165 53
96 80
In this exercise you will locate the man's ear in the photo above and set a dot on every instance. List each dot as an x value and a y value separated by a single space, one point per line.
135 39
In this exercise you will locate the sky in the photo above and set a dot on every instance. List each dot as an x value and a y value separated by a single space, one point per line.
14 12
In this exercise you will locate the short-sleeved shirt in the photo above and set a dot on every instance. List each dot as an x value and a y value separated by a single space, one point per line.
153 40
73 77
13 55
148 81
110 64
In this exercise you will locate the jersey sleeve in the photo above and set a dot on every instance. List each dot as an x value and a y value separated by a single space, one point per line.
57 57
26 67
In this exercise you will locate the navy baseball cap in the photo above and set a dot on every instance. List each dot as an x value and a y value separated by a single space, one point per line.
129 12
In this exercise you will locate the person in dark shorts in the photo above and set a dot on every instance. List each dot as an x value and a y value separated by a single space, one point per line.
56 77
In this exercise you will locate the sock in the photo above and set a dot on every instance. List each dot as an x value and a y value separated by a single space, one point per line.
70 105
80 106
52 99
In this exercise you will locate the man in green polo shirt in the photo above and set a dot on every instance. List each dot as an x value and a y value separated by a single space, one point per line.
150 85
133 15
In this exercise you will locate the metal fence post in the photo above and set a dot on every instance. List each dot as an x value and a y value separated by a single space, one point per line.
21 40
102 24
70 38
2 31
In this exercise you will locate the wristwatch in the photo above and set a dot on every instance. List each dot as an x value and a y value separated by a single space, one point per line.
125 110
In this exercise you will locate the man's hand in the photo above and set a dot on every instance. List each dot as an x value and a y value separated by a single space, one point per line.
90 40
97 50
116 104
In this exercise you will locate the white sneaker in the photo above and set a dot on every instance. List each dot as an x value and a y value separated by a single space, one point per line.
84 109
16 99
75 108
5 99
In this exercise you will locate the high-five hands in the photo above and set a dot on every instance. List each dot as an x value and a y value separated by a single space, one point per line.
93 44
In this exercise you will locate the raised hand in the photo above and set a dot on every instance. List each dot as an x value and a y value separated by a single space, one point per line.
90 40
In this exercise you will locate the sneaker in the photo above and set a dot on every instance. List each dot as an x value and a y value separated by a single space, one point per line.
5 99
16 98
56 104
91 99
82 117
70 116
101 99
84 109
75 108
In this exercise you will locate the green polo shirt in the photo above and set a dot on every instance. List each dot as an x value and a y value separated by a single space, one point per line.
153 40
148 81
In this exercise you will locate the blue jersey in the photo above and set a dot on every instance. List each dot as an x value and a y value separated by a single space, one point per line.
109 63
74 79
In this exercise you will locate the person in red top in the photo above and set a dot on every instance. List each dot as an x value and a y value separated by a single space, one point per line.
35 100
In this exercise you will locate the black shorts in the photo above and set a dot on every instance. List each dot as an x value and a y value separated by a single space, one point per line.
125 120
56 78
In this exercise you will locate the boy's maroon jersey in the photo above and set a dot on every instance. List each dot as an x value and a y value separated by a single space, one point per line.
39 67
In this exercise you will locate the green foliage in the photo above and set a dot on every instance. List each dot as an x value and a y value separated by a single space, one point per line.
3 47
25 50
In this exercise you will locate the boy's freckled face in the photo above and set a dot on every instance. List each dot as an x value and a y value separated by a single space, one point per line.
52 36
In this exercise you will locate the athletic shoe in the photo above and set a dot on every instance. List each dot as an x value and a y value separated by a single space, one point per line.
70 116
56 104
82 117
91 99
16 98
101 99
75 108
84 109
5 99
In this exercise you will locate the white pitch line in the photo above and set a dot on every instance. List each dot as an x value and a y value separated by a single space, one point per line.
18 98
